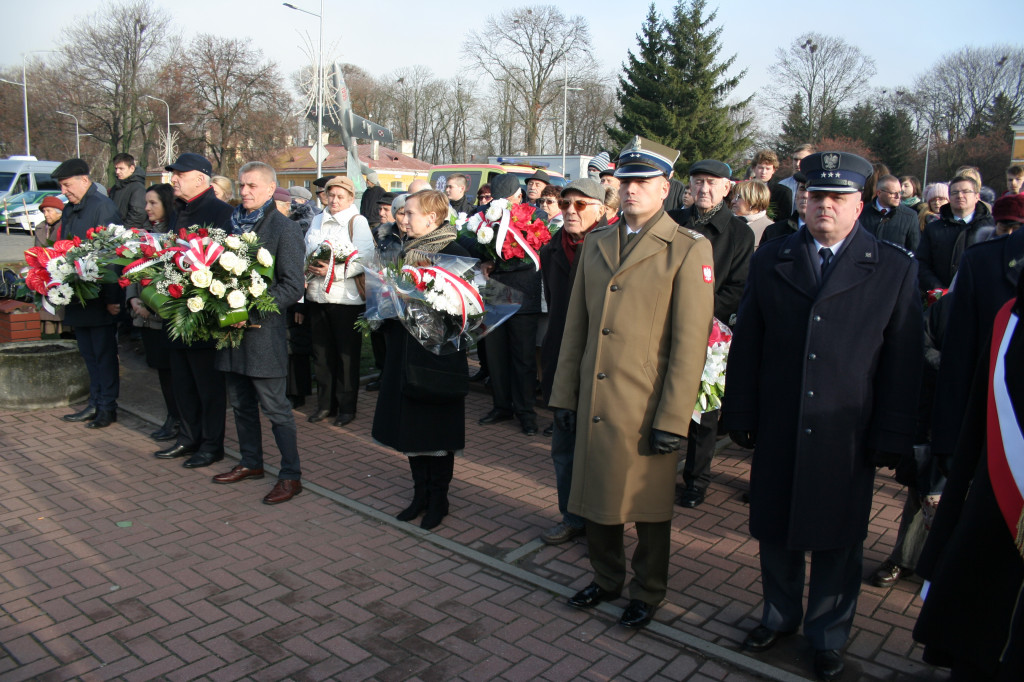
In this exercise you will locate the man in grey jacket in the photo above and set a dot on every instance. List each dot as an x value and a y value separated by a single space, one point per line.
257 371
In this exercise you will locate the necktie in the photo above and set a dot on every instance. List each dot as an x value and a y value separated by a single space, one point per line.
826 257
630 236
885 212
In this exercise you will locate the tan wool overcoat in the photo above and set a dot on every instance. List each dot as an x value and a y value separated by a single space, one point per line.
631 359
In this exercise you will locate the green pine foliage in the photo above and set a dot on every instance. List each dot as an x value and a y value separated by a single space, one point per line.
673 89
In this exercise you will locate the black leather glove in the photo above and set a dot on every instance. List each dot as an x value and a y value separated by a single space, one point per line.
566 419
745 439
663 442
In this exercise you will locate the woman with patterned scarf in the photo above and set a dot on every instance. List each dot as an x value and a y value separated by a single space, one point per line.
429 430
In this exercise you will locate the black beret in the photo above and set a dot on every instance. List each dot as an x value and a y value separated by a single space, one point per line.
387 198
322 182
712 167
70 169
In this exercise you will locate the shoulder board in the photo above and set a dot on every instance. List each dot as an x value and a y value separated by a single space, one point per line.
692 234
905 252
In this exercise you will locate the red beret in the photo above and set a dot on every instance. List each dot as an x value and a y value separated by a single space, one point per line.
51 201
1009 208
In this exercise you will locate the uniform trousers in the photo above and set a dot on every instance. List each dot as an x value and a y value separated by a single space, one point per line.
98 346
563 447
512 361
249 395
337 345
700 451
649 562
832 598
912 533
199 394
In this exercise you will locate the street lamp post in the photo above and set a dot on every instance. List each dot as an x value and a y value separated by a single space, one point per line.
24 95
565 114
168 154
319 83
78 138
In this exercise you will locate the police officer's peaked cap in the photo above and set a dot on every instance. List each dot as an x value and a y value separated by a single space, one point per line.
840 172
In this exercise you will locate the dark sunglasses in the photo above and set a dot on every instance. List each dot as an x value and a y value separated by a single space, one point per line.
579 204
483 196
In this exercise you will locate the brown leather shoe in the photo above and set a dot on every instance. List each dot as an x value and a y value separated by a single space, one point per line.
283 491
237 474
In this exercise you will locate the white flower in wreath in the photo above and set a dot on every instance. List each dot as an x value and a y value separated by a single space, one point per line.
257 288
240 267
60 294
201 278
250 237
89 268
264 258
461 220
233 242
228 261
217 288
195 304
485 234
236 299
497 207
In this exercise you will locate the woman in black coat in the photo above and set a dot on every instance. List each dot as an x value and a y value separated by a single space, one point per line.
429 429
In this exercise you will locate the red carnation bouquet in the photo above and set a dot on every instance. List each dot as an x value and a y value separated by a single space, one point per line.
509 232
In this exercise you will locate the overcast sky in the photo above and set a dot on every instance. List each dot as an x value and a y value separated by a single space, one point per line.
382 36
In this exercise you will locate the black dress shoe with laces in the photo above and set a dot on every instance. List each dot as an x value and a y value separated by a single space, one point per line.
202 459
494 416
319 416
529 427
691 497
84 415
104 418
173 452
828 664
590 596
344 419
763 638
637 614
889 573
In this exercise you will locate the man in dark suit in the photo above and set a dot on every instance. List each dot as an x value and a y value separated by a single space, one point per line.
198 385
95 322
257 371
732 242
789 225
822 382
888 219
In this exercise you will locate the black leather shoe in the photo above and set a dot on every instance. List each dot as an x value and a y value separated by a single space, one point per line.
373 385
202 459
637 614
319 416
169 430
691 497
590 596
479 376
529 427
549 430
84 415
344 419
495 416
104 418
889 573
763 638
173 452
828 664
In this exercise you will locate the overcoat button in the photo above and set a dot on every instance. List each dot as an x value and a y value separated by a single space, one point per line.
597 419
817 318
601 375
606 331
615 287
812 356
810 394
808 431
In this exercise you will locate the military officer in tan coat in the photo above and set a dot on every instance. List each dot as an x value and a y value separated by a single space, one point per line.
632 355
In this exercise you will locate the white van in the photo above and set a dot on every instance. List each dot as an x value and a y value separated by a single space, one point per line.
23 173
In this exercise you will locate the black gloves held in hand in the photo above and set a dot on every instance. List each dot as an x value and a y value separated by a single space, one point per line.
745 439
663 442
566 419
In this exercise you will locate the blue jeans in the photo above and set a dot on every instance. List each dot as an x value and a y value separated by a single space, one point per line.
248 395
563 445
98 346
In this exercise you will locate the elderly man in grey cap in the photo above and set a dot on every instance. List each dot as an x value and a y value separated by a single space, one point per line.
732 242
822 383
582 205
630 362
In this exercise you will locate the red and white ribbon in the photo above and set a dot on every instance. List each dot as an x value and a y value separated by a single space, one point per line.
198 253
504 230
1004 438
464 289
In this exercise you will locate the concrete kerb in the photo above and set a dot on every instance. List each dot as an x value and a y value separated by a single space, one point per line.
506 566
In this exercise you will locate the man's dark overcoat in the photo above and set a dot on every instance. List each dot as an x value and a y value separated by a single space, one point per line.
94 210
823 375
899 225
264 349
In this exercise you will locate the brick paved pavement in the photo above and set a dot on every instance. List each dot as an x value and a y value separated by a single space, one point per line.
117 565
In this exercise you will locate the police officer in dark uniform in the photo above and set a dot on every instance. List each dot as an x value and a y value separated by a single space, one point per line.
822 382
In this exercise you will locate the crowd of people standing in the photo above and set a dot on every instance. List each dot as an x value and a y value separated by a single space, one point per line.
822 276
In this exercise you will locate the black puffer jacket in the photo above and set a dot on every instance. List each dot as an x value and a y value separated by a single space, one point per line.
129 195
943 243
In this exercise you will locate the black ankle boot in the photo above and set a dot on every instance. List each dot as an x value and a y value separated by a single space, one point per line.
441 472
419 467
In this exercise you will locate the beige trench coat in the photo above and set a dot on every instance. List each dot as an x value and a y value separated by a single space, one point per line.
631 359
